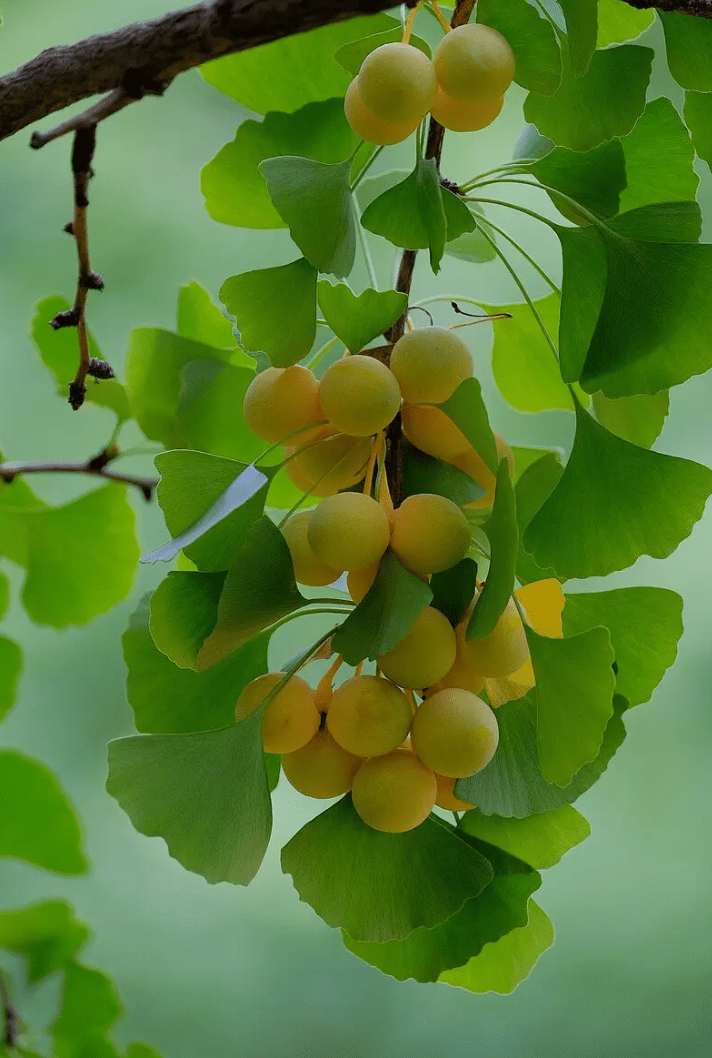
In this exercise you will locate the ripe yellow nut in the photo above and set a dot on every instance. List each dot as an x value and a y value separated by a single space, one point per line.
331 463
368 716
281 400
397 83
308 569
430 364
368 127
500 653
349 531
454 733
290 720
432 431
430 533
425 655
359 581
321 768
394 793
359 395
474 63
458 116
446 797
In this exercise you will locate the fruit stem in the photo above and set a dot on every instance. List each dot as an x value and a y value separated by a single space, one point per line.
368 481
439 15
408 27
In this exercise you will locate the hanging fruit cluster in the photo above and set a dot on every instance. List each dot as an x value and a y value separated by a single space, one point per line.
398 739
462 87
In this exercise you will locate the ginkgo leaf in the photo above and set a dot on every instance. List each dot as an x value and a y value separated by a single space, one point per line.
380 887
205 793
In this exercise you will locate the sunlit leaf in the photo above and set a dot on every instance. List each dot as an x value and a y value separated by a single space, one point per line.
315 201
380 887
539 840
200 320
208 503
503 535
499 908
153 367
536 50
47 935
501 966
659 157
638 419
89 1008
688 41
259 589
625 502
574 690
167 699
645 625
60 354
523 362
467 410
10 669
68 581
512 784
275 309
385 615
358 319
294 70
235 191
205 793
618 22
605 102
37 823
351 56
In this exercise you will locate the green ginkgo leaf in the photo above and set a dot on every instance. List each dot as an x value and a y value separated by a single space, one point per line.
539 840
358 319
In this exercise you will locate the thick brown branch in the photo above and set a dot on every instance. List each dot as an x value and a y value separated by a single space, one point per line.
146 56
97 466
701 8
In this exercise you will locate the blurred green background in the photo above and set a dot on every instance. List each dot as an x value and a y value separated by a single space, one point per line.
220 971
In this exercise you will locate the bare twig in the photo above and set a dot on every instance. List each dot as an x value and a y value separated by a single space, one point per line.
10 1016
82 172
434 147
97 466
88 118
701 8
146 56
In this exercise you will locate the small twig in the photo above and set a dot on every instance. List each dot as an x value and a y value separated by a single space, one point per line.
88 119
10 1014
82 172
97 466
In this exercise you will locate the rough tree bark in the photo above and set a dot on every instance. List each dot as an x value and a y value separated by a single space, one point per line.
146 56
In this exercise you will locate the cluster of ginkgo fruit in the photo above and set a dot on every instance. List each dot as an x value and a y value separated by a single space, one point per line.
462 86
399 739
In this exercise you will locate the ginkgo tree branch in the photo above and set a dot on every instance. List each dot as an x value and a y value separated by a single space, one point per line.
701 8
145 57
97 466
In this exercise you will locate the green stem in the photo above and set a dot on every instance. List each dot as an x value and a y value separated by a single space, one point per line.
322 352
504 168
288 437
365 248
523 252
366 167
591 217
308 493
514 206
523 291
301 660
